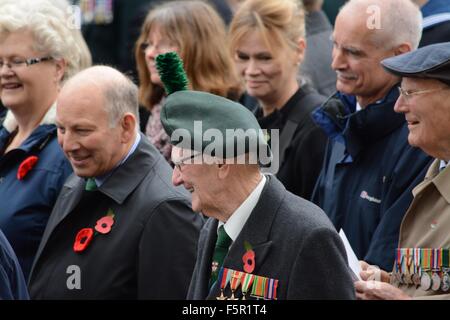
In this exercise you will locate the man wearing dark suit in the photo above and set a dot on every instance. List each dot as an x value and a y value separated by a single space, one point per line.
125 232
280 246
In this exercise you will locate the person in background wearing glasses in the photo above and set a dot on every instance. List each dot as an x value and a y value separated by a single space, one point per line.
38 52
425 103
195 31
369 169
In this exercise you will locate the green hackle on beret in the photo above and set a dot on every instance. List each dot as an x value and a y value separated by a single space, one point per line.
171 72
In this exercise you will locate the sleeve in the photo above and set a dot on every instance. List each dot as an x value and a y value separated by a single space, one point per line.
167 251
321 270
12 281
397 196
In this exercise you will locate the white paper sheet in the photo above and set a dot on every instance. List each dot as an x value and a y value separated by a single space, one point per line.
353 261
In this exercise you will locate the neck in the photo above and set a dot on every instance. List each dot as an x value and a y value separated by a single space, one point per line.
235 193
277 102
364 101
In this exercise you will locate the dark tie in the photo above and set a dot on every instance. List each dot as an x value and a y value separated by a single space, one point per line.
90 185
220 251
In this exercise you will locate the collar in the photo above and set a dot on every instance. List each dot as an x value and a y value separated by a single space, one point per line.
437 177
278 118
128 176
337 117
236 222
10 123
442 165
101 179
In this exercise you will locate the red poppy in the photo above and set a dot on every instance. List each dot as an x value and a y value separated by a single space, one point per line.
249 261
26 166
104 224
82 240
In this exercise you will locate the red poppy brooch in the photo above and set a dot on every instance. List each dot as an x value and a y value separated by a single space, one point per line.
26 166
248 258
85 235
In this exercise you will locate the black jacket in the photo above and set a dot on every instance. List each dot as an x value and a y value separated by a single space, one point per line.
303 157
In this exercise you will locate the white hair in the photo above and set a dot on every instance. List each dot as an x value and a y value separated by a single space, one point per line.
50 27
401 21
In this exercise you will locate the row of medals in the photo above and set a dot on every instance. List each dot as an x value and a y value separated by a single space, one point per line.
435 280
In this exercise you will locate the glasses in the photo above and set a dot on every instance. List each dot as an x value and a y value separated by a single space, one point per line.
19 62
407 94
178 164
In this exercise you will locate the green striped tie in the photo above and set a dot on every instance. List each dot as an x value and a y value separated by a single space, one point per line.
220 251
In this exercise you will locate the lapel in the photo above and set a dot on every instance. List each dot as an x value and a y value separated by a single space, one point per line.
256 231
67 200
207 244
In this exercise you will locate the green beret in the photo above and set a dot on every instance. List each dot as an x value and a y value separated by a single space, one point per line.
212 125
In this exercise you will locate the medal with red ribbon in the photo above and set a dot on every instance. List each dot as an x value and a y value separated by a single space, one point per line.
236 278
224 277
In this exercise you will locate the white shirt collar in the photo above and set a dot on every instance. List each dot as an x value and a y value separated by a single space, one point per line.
239 217
443 165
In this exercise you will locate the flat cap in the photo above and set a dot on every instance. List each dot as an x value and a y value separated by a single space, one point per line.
430 62
211 124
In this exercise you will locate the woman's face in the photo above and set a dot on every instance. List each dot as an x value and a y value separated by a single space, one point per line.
156 44
25 85
265 73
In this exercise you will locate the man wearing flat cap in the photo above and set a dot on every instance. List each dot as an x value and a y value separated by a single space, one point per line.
422 267
260 241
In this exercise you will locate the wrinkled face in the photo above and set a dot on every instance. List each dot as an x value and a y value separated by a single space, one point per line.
427 111
265 73
22 85
199 179
156 44
356 59
84 133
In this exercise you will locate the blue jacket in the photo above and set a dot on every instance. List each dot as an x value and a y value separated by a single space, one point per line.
12 282
26 204
368 174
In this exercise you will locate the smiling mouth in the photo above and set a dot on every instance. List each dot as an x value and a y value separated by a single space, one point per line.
11 86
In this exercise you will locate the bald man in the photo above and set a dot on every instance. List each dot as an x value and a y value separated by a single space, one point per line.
119 229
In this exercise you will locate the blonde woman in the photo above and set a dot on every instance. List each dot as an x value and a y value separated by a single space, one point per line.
267 40
38 52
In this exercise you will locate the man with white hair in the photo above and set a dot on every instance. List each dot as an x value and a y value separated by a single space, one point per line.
422 259
369 169
119 229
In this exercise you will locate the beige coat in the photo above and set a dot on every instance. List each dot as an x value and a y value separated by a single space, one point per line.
426 224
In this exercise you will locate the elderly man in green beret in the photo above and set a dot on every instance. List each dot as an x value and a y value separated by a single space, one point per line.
260 241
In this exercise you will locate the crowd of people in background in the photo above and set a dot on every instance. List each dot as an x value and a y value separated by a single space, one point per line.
92 174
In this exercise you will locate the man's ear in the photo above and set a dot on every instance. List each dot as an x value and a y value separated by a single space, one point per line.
128 125
403 48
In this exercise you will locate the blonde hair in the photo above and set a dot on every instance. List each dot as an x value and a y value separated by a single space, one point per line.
50 29
199 33
280 22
